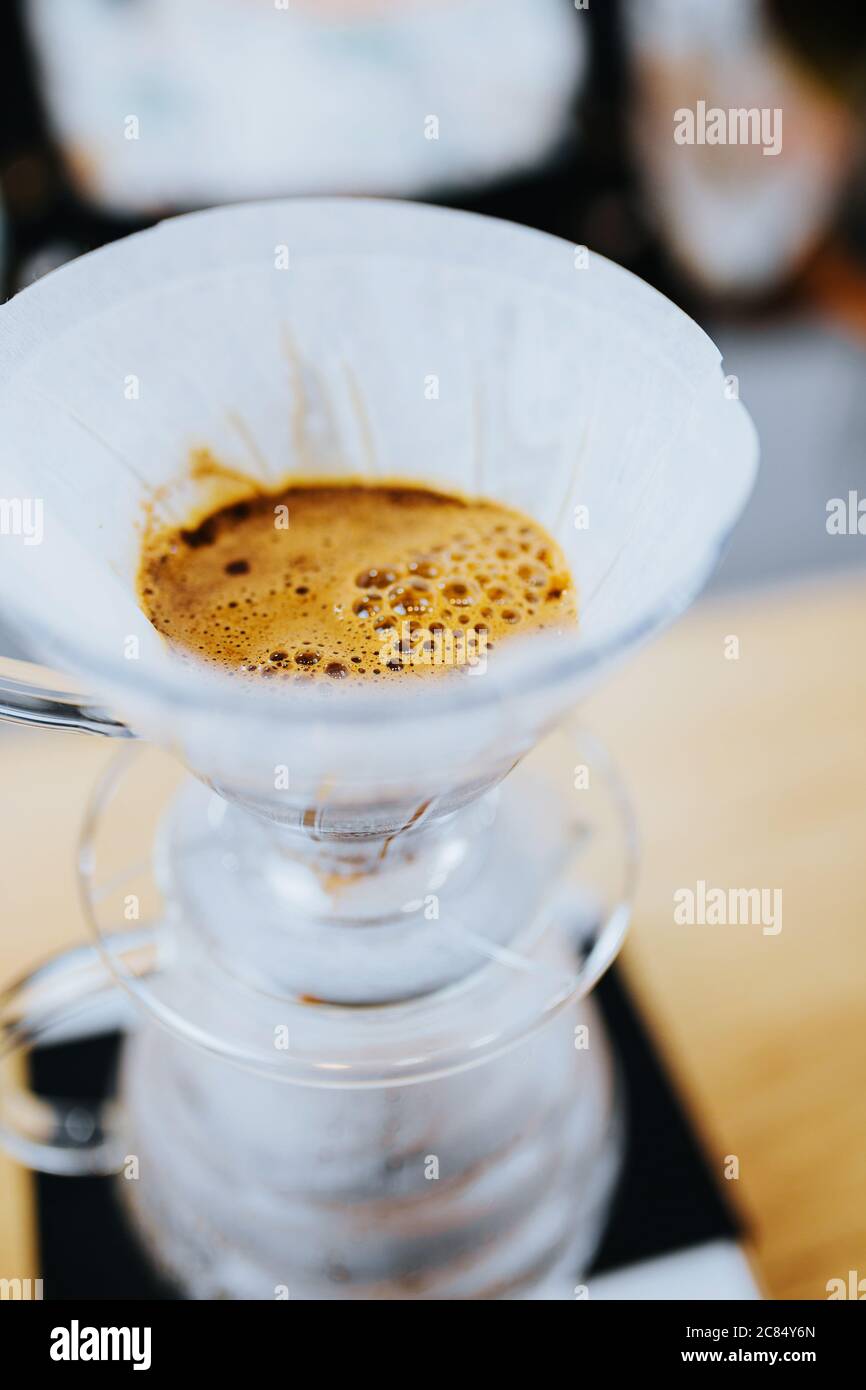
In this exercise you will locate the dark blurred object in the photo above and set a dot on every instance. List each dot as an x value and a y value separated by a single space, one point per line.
46 224
745 160
828 40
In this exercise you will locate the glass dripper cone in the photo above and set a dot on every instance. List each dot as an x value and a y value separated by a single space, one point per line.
299 337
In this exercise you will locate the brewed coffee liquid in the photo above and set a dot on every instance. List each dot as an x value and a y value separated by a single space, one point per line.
351 580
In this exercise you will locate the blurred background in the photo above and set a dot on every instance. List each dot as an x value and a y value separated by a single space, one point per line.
549 112
562 115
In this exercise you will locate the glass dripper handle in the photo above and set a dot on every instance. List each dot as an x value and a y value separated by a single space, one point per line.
22 702
70 991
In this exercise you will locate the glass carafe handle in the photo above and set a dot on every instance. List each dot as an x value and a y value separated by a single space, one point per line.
66 994
23 702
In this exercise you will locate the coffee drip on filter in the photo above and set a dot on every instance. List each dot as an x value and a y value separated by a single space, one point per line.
380 847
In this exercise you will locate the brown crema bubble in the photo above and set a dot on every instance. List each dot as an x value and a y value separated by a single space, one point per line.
369 581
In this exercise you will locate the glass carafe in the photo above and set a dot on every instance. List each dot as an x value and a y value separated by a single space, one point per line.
461 1142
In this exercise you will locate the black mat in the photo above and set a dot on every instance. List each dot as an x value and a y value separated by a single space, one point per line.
666 1199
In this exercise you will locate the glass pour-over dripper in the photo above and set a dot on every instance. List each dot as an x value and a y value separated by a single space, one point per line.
303 338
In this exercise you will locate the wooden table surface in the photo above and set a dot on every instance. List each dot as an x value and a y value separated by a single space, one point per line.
747 772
